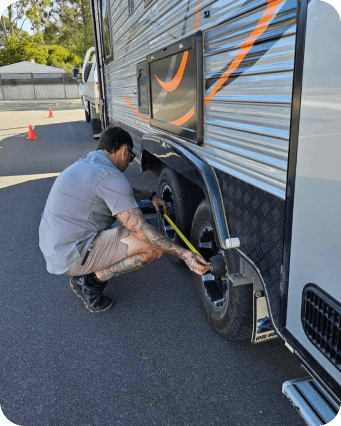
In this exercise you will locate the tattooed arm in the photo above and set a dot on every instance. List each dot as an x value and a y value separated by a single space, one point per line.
134 221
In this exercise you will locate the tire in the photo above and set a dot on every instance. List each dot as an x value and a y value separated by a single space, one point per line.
87 114
181 202
87 71
95 124
228 309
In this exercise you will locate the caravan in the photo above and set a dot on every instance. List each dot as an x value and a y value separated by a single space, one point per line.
235 106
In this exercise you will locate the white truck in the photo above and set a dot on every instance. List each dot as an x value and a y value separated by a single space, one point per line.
235 106
90 92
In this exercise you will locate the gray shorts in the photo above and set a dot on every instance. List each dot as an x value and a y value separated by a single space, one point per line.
107 249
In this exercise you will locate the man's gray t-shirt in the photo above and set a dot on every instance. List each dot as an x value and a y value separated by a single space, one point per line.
82 202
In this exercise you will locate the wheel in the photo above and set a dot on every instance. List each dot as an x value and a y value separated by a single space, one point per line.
95 124
87 113
228 309
181 202
87 71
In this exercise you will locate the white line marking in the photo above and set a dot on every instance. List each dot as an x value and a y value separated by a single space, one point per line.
6 181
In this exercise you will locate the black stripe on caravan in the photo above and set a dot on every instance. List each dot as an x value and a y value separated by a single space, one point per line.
292 157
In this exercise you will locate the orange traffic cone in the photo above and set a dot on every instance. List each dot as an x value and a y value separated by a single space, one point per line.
50 114
31 135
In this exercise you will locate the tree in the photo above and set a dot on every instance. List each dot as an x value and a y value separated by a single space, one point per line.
4 29
37 11
62 58
66 23
24 48
71 26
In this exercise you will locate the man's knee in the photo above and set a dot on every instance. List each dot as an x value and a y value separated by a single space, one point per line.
136 246
158 254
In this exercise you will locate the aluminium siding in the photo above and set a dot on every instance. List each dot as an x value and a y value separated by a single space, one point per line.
247 122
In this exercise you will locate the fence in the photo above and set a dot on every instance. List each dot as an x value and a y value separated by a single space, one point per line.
38 86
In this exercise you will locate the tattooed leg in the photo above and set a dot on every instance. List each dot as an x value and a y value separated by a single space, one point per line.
130 264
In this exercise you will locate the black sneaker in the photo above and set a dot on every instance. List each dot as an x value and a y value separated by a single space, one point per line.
94 299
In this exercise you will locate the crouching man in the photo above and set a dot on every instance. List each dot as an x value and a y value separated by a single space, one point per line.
76 233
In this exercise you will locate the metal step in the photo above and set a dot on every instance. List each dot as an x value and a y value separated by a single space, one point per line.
313 403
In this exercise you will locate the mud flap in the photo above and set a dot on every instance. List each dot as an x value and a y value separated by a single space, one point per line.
262 325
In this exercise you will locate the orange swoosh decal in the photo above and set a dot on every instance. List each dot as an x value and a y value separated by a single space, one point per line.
182 120
246 46
174 83
197 17
135 110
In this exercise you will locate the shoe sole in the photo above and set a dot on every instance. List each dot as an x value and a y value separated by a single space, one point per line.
80 296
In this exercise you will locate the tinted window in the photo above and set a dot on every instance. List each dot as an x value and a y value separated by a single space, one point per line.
176 98
106 28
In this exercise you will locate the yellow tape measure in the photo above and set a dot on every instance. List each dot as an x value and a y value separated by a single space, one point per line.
181 235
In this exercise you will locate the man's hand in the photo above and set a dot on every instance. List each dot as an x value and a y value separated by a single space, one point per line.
196 263
159 202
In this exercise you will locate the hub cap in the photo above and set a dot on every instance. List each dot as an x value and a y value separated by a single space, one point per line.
166 194
215 288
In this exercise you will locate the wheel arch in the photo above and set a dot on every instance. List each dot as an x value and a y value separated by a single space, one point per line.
159 151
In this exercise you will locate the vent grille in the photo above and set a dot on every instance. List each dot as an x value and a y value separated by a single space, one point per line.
130 7
321 319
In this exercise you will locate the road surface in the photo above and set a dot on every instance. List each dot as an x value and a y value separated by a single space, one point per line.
151 360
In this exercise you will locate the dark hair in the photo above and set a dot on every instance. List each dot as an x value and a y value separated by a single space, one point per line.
112 138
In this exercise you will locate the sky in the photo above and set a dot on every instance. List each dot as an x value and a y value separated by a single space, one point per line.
27 24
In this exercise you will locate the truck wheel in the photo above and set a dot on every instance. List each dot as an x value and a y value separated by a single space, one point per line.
178 193
228 309
95 124
87 71
87 114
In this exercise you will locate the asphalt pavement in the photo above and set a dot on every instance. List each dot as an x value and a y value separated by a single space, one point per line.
151 360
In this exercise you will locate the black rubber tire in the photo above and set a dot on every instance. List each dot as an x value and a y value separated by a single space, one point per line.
87 114
233 317
95 124
177 191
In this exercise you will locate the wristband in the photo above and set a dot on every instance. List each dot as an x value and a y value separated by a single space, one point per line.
152 195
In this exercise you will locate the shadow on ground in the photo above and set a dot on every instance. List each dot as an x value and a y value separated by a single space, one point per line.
151 360
56 147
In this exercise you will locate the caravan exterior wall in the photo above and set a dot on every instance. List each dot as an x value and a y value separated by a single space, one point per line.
211 93
248 66
246 123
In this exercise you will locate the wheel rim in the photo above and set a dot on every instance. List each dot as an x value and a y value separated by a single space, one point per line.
166 195
215 289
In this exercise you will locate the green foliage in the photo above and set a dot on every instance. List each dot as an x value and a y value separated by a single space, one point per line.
62 58
63 32
20 49
73 28
26 48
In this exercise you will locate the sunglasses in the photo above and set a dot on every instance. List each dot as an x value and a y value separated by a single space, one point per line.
132 154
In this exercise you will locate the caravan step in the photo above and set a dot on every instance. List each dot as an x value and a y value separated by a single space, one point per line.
313 403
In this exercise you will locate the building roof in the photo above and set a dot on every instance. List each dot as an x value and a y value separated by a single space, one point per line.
29 67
